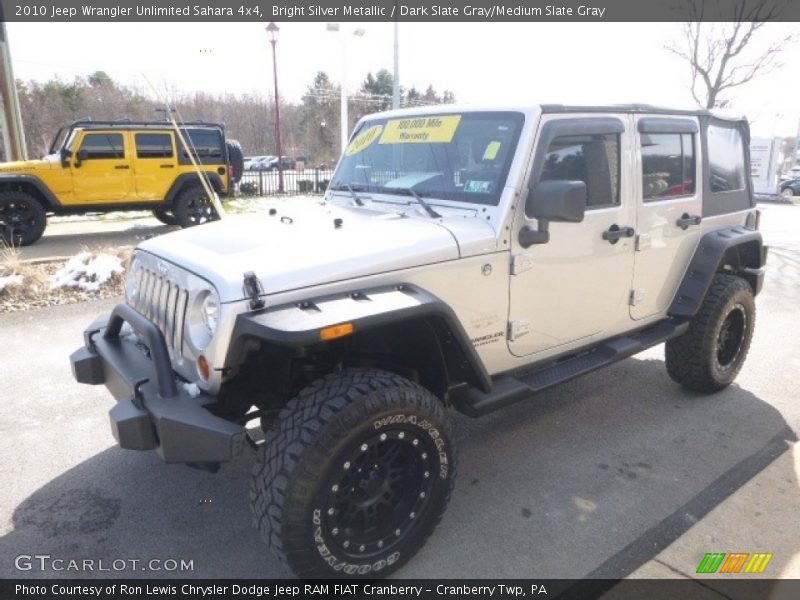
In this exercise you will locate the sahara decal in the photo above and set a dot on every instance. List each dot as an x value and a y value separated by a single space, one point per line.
363 139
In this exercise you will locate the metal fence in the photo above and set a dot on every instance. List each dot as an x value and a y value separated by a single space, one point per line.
295 182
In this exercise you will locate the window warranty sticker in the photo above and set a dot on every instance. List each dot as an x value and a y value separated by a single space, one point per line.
421 130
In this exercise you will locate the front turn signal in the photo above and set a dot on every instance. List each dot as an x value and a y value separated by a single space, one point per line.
336 331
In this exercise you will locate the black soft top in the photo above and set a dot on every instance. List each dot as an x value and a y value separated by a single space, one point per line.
638 108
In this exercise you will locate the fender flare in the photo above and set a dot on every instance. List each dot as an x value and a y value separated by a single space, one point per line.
186 179
50 200
707 260
298 325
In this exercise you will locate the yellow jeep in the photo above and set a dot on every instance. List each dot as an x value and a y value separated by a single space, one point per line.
98 166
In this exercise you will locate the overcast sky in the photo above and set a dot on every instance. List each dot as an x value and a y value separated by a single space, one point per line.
481 63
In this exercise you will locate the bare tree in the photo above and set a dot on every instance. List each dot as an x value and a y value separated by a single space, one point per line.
720 53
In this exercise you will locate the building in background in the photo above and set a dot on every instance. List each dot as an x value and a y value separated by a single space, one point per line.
766 158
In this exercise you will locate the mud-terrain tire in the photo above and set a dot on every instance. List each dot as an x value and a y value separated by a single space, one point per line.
165 215
194 207
22 218
235 159
710 354
354 476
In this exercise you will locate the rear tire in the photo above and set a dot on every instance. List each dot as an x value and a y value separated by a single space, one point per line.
710 354
22 218
165 215
787 192
193 207
354 476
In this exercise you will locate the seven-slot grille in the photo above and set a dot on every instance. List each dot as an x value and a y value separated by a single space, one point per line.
164 303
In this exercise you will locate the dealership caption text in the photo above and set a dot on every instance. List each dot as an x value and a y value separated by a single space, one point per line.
216 590
292 11
435 10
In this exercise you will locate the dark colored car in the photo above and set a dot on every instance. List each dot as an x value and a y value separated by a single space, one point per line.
790 188
287 163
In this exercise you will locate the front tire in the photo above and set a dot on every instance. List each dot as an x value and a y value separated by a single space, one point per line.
710 354
194 207
22 218
787 192
354 476
165 215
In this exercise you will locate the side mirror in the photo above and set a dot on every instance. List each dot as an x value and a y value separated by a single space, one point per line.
83 154
66 153
560 201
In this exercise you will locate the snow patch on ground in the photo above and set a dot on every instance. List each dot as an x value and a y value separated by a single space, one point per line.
10 280
192 389
87 272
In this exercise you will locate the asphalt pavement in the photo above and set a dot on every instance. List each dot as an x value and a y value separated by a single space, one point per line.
619 473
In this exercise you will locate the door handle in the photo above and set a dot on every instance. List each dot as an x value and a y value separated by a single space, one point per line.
122 167
613 233
167 166
687 219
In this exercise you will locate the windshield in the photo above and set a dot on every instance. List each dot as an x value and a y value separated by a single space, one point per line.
463 157
63 139
55 145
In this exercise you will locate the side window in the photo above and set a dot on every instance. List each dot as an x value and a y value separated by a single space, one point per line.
668 165
205 145
725 159
103 145
593 159
153 145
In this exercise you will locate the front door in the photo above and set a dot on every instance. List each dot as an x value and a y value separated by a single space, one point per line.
669 207
575 288
104 176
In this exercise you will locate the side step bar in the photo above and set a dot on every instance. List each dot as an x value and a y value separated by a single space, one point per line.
508 389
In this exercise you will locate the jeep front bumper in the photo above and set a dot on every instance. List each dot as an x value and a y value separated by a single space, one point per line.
152 411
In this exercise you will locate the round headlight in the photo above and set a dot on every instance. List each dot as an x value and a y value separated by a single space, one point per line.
134 277
209 311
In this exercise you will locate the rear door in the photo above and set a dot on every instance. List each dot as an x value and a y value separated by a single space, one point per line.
155 164
669 208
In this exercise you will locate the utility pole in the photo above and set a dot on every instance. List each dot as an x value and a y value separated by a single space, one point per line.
10 116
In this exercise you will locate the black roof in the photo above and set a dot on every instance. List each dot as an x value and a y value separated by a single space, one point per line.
130 124
636 108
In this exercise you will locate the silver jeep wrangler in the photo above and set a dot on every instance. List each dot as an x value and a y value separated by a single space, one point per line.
462 259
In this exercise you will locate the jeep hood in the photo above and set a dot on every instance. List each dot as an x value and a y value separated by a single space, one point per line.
305 245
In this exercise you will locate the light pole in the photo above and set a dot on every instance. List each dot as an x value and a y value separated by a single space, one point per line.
359 32
272 32
396 78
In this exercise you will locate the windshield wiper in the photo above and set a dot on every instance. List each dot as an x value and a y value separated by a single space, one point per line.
412 192
352 190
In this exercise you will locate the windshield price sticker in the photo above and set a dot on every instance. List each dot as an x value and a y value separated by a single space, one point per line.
363 139
491 150
421 130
